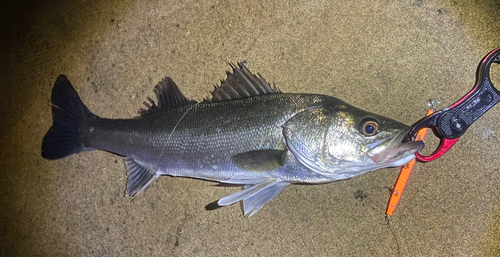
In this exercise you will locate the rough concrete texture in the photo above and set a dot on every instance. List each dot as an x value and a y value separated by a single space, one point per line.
388 57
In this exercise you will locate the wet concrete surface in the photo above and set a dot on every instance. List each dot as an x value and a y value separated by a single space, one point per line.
382 56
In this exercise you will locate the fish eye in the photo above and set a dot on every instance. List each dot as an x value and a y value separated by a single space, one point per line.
368 127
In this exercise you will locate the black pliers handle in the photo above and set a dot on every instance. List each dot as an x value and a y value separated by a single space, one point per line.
452 122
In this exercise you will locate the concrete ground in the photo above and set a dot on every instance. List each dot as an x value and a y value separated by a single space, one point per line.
388 57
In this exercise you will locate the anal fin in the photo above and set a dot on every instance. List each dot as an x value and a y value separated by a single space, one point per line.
255 196
139 176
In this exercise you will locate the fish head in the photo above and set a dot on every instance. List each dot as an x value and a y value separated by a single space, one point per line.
341 141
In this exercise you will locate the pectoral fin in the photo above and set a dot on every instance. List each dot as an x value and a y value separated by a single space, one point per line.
260 160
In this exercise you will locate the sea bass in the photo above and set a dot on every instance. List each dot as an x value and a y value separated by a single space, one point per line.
247 133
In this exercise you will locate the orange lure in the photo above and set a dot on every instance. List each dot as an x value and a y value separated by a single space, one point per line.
404 174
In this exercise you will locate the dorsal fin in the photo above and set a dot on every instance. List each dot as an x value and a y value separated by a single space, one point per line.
168 95
241 83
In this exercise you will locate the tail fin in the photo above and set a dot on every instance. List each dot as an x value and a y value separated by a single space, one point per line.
67 112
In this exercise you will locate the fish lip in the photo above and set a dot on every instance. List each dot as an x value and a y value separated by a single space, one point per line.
396 149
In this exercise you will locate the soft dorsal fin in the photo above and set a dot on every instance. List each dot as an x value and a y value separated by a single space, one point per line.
241 83
168 95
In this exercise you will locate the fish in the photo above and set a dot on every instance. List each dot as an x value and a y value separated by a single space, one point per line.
247 133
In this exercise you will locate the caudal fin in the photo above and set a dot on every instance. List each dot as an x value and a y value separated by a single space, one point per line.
67 112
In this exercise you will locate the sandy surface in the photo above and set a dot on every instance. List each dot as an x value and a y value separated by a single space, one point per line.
387 57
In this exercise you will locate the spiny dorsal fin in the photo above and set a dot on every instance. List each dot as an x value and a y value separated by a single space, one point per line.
241 83
168 95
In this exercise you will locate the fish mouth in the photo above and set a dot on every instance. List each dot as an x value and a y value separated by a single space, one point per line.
394 148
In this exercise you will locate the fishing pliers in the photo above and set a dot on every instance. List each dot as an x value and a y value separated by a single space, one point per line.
452 122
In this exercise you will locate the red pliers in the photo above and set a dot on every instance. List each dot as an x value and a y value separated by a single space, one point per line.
452 122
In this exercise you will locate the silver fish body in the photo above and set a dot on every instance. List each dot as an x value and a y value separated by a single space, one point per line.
248 133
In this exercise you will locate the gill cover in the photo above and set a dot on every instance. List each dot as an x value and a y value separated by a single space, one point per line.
305 136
